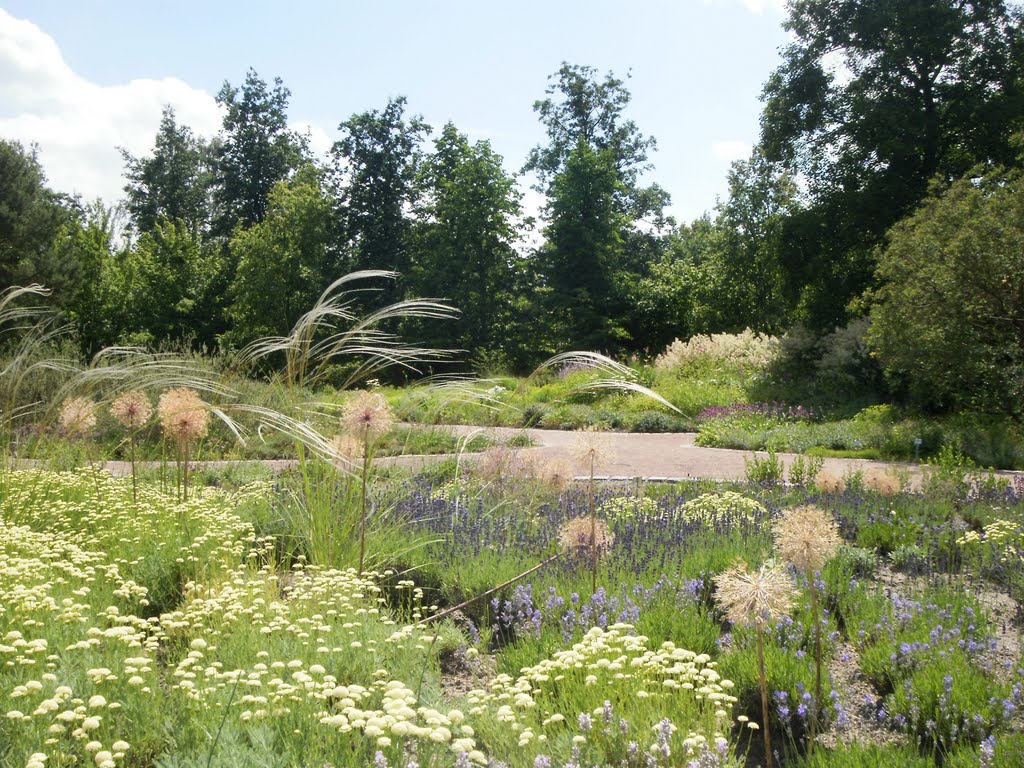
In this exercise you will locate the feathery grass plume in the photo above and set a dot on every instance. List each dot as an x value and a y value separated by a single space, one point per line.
557 474
495 464
807 537
185 418
756 598
579 535
367 415
829 482
78 416
883 483
131 409
620 377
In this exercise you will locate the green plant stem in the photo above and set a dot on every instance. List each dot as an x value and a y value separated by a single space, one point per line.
817 665
765 726
593 529
135 488
492 590
362 501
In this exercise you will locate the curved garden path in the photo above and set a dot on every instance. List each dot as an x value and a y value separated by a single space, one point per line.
651 456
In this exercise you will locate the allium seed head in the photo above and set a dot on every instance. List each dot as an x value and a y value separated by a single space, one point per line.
592 448
574 536
883 483
557 474
367 415
829 482
183 415
131 409
756 597
78 415
806 537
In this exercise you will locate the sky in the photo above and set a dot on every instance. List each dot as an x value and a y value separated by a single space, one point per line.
83 78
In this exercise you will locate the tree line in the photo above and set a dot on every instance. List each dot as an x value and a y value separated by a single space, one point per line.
878 114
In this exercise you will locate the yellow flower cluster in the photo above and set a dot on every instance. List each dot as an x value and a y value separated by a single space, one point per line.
1005 534
712 507
617 665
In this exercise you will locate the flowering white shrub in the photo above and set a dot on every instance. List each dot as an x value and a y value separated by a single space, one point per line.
747 349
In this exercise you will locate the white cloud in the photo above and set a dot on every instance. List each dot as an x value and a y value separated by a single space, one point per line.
78 124
731 150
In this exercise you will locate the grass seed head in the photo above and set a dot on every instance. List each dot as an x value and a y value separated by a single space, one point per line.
754 598
807 537
131 409
183 415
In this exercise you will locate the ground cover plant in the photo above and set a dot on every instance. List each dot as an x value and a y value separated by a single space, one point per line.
176 632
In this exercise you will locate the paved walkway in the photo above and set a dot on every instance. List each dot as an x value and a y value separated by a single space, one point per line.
671 456
665 455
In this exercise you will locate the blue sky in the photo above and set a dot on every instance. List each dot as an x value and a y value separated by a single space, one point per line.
80 78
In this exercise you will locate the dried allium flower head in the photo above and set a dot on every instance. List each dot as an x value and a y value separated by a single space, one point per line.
367 415
557 474
592 448
806 537
78 415
829 482
754 597
575 538
347 447
183 414
883 483
131 409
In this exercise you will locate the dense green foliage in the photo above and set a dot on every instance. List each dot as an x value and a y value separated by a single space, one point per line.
876 125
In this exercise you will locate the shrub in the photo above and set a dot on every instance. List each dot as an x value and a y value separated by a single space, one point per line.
746 349
768 470
654 421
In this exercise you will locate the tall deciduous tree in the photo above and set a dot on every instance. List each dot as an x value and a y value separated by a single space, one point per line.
174 182
283 262
168 288
872 100
256 150
590 171
374 176
464 246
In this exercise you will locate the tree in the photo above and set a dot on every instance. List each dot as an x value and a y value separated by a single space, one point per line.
31 215
172 183
590 170
464 247
168 288
761 198
872 100
948 323
255 151
375 182
283 262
